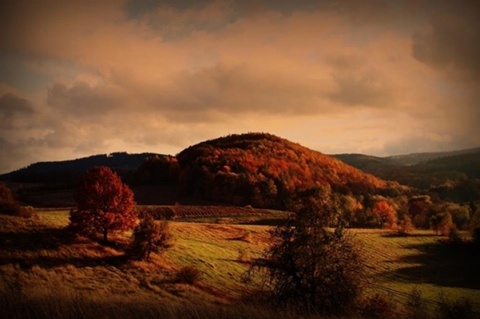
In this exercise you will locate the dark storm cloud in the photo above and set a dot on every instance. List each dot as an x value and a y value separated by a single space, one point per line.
142 75
366 89
453 39
12 109
82 100
137 8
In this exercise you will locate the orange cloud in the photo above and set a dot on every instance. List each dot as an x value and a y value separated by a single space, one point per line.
157 76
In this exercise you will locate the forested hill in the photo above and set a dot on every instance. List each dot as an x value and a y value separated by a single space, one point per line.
71 171
263 170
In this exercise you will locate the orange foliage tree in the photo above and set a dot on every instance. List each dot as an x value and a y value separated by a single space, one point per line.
386 212
105 204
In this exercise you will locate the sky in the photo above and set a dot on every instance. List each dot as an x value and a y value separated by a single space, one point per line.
378 77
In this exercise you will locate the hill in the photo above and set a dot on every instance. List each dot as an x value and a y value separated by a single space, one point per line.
417 158
452 175
71 171
464 161
265 171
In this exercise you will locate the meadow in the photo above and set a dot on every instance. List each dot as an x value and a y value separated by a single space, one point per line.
45 273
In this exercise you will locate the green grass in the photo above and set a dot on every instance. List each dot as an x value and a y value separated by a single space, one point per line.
41 264
423 260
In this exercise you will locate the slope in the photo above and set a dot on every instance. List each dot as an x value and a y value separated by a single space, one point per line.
265 171
70 171
454 176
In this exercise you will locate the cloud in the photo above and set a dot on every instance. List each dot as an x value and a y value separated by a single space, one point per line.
367 89
451 41
373 76
12 105
240 89
13 111
83 100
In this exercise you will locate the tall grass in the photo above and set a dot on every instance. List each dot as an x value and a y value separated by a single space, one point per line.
44 274
15 305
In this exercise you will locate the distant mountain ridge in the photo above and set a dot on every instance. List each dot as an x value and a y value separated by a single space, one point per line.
416 158
357 159
462 161
261 168
452 175
72 170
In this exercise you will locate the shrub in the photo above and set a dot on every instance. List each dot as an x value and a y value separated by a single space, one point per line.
150 236
189 275
378 307
10 206
416 307
456 309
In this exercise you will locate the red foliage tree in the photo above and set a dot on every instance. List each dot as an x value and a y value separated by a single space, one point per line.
386 213
105 204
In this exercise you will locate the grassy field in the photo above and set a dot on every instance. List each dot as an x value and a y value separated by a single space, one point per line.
42 264
423 261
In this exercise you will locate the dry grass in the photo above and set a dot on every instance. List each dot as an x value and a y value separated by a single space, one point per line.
38 253
423 261
44 268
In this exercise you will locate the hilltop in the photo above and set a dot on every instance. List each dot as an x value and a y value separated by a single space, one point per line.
265 170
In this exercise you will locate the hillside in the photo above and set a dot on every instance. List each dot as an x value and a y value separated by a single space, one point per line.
265 171
464 162
417 158
71 171
453 176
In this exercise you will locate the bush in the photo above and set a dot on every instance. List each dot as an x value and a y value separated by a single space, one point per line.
189 275
416 307
150 236
10 206
456 309
378 307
